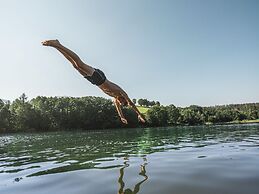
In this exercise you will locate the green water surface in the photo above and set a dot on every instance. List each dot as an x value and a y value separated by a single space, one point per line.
204 160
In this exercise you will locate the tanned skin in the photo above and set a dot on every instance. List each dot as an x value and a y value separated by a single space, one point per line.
120 96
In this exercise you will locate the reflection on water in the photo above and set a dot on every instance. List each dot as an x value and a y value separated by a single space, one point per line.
137 186
208 154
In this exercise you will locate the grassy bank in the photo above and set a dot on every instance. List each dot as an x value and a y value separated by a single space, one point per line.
234 122
142 110
244 121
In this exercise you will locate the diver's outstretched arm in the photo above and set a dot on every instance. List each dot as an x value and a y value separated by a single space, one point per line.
140 117
118 108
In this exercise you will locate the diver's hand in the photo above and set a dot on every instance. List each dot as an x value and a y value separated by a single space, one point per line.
140 118
124 120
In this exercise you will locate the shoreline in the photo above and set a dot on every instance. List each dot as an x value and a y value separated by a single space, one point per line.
244 122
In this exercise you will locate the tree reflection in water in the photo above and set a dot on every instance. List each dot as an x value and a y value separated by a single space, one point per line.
137 186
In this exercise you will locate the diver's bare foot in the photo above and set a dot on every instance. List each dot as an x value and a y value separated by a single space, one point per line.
50 43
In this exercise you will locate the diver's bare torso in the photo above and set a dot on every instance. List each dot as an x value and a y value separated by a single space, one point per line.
112 89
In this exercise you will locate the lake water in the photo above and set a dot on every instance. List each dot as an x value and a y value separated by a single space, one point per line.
180 160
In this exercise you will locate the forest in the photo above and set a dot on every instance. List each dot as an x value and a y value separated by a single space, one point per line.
87 113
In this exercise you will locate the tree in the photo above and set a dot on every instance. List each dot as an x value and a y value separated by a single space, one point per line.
224 116
5 116
24 115
145 102
173 114
23 98
1 103
44 110
141 102
252 113
192 115
157 116
152 103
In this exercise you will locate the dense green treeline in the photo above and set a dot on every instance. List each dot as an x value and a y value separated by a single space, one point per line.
61 113
69 113
197 115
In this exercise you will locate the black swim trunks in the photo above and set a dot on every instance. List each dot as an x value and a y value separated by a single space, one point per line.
98 77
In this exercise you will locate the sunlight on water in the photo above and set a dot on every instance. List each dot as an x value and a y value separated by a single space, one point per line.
205 159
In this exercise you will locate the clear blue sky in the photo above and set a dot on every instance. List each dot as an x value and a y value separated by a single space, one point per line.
180 52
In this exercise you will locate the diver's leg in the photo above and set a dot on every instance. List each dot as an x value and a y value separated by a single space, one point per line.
70 55
81 71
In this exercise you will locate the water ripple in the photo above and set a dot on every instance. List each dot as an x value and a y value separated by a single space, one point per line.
34 155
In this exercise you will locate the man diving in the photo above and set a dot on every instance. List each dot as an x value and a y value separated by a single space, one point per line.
98 78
